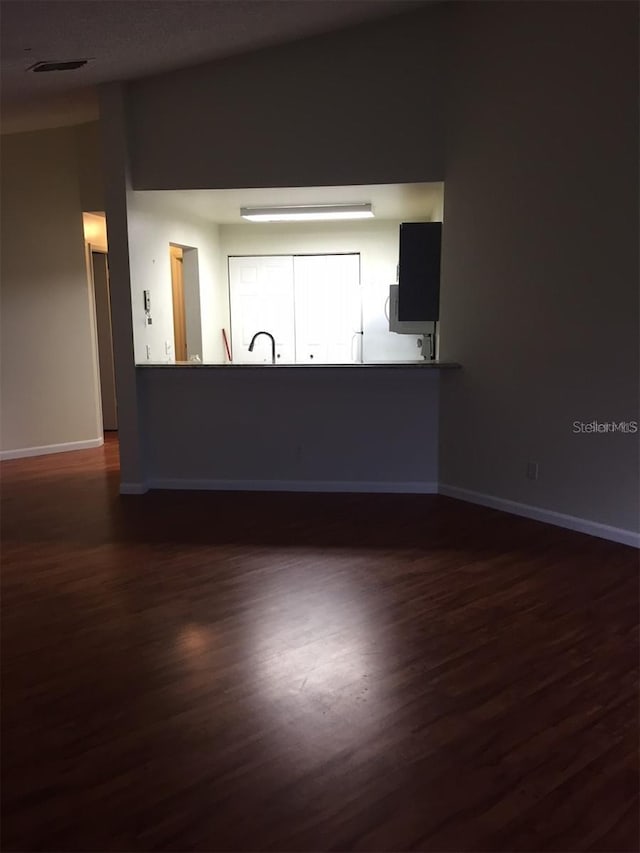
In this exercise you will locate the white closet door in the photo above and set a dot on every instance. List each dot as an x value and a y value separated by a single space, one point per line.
328 309
261 298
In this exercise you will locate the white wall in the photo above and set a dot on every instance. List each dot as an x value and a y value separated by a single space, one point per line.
95 231
153 225
375 241
49 360
540 265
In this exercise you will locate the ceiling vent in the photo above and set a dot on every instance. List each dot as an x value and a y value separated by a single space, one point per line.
71 65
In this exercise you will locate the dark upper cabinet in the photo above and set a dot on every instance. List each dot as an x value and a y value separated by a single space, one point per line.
419 271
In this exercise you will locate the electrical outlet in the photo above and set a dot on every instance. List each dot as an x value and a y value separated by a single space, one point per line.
532 470
168 347
148 352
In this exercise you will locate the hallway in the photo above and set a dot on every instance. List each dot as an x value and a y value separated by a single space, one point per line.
208 671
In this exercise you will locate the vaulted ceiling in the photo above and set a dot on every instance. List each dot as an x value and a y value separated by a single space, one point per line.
124 39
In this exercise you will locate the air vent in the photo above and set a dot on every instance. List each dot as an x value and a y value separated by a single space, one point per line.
71 65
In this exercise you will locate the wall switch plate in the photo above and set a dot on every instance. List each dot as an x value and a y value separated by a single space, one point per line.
532 470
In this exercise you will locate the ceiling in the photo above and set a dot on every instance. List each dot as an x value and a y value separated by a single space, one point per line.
125 39
390 201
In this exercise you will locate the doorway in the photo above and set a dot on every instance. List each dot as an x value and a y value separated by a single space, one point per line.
179 318
102 297
97 265
185 291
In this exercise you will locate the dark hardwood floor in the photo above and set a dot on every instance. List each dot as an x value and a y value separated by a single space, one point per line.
222 672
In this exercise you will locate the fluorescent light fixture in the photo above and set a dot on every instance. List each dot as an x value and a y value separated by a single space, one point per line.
306 213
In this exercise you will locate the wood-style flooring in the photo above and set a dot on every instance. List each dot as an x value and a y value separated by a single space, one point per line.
226 672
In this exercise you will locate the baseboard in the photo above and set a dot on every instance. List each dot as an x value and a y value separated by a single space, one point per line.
46 449
570 522
367 487
133 488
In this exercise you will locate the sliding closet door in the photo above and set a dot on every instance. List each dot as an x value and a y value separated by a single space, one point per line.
261 297
328 309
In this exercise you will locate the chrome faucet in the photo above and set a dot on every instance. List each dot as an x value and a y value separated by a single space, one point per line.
273 344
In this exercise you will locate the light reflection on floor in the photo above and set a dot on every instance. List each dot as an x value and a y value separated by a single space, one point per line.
314 656
194 640
300 670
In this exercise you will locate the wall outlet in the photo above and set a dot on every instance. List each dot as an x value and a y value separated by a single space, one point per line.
168 347
148 352
532 470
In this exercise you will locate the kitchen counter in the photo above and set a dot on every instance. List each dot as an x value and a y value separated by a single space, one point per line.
443 365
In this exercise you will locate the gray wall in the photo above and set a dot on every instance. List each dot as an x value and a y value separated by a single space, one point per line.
90 171
320 111
49 383
540 288
529 112
117 186
364 428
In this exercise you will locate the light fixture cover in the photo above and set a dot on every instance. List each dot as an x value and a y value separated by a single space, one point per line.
306 213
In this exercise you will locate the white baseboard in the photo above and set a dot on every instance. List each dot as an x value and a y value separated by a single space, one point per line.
133 488
571 522
367 487
46 449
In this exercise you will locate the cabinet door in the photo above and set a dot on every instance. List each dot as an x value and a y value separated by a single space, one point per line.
261 299
419 279
328 309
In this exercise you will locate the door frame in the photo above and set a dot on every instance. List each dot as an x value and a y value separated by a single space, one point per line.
89 250
180 346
